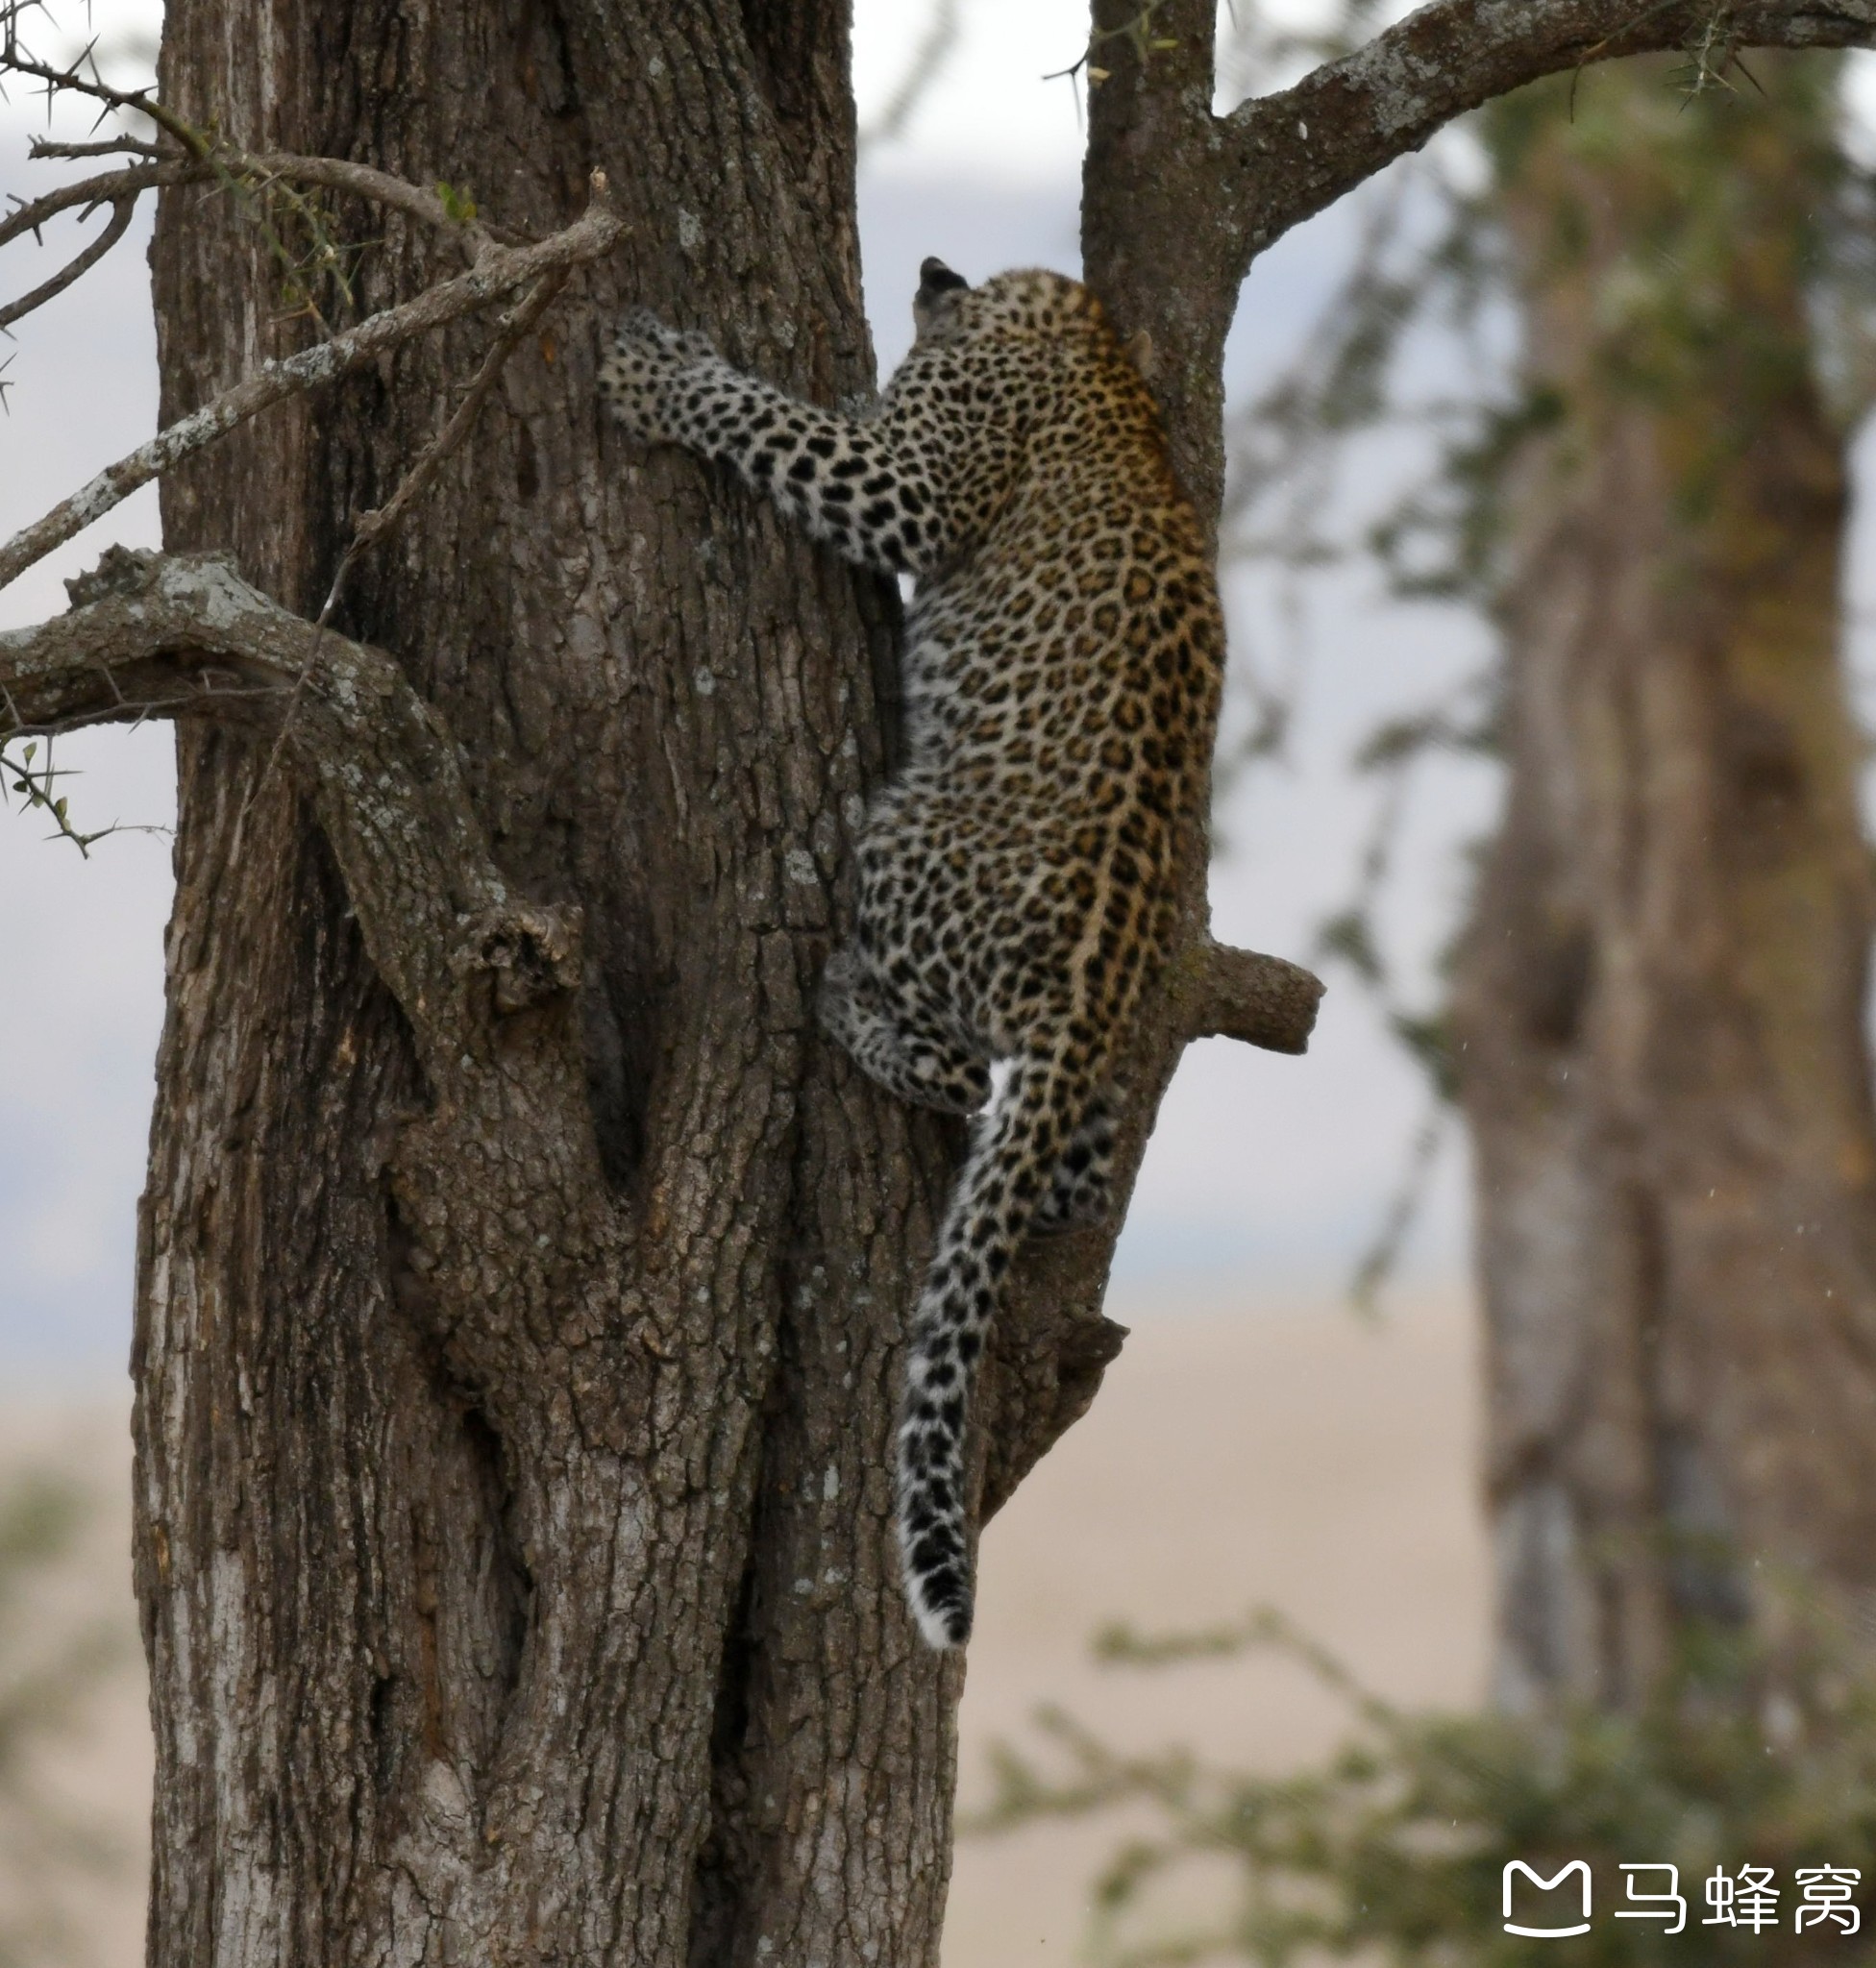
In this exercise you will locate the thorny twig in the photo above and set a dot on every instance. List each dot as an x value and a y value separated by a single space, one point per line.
72 81
257 170
29 216
75 269
41 147
34 781
205 155
499 272
1137 32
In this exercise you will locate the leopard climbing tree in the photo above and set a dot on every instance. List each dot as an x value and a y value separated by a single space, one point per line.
523 1273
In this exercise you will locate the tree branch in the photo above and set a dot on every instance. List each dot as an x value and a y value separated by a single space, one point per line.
497 272
255 168
184 636
205 155
71 80
107 147
1240 994
513 332
373 526
74 269
1289 155
361 180
108 187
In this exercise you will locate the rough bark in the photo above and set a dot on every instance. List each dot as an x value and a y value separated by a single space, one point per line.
511 1451
1661 1003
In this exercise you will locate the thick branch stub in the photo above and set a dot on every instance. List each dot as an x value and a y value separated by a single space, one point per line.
1051 1372
532 953
1240 994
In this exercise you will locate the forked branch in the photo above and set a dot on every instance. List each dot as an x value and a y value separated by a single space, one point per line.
184 636
74 269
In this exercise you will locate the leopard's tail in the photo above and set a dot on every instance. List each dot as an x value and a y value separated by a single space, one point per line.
1018 1142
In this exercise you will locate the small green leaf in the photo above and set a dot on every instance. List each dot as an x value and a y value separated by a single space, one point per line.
457 203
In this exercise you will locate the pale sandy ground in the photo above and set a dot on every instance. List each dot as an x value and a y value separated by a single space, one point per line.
1301 1458
1295 1457
98 1773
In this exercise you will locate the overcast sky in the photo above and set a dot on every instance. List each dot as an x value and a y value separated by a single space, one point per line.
1267 1175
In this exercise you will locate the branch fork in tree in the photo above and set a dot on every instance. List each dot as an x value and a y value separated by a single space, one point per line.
185 636
1178 202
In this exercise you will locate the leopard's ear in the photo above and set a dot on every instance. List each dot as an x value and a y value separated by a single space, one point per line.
1144 356
935 278
938 285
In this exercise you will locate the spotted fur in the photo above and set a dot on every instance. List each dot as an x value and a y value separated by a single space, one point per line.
1062 656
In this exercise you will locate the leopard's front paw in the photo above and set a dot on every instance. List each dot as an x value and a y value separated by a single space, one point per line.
636 379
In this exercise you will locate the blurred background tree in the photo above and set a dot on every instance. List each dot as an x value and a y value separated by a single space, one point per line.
1653 1016
1658 1009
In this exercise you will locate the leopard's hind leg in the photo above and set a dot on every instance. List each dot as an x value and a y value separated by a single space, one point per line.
927 1068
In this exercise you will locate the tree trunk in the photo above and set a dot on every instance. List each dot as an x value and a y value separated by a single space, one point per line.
1659 1004
513 1486
522 1275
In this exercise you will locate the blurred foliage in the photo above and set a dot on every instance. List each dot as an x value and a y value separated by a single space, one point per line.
1394 1850
47 1667
937 44
1744 233
1702 148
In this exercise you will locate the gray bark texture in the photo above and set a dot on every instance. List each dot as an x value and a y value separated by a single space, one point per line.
1661 1001
513 1439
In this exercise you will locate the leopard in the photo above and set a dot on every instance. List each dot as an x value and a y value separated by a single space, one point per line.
1061 661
